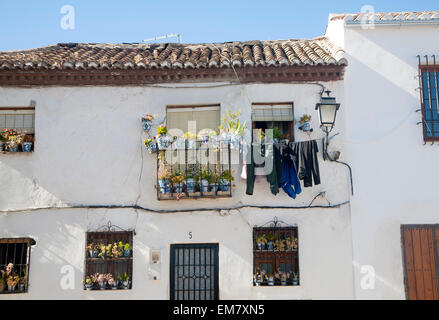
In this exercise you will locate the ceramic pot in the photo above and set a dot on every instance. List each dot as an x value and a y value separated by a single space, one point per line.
164 186
12 148
191 144
204 185
213 187
270 245
163 142
271 281
146 125
190 185
178 187
127 253
27 146
224 185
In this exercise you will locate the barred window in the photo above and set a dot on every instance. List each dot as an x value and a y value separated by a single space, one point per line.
429 75
276 116
14 264
275 256
109 260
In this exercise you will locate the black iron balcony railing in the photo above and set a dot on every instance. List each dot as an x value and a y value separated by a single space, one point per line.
194 169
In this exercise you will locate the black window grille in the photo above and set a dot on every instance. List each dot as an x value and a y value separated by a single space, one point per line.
275 256
194 272
14 265
194 169
429 78
109 260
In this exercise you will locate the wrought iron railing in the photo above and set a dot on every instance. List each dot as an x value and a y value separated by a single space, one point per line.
194 169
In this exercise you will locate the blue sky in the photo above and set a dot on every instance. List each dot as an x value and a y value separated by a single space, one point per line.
28 24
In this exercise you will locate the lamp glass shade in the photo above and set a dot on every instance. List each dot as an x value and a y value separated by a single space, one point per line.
327 113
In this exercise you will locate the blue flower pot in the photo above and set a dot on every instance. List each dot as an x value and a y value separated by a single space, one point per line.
164 186
12 149
204 186
163 142
190 185
215 141
213 187
146 125
224 185
27 146
235 141
152 147
178 187
127 253
270 245
180 143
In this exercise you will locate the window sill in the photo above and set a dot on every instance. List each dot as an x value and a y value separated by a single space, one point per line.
194 195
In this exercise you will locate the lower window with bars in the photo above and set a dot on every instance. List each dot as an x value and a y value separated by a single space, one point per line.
275 256
14 265
109 260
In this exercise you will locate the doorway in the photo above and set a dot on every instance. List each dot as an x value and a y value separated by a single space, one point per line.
194 272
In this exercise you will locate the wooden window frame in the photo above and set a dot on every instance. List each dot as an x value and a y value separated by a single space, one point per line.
24 267
291 135
92 264
276 258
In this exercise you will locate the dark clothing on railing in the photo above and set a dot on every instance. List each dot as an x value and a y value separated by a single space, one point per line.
289 181
305 159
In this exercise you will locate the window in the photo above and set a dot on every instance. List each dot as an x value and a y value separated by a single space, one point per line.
196 164
276 116
20 123
14 264
429 101
193 118
275 256
109 260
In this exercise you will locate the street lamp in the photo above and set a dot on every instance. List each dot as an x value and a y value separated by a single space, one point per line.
327 108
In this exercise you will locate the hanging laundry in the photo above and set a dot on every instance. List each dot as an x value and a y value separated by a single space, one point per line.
306 162
289 181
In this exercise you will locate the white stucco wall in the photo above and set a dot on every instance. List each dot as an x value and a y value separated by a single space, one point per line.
89 151
395 175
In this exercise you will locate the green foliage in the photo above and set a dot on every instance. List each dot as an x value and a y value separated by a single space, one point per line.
231 124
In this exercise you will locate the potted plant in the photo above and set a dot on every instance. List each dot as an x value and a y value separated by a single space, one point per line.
295 279
162 139
304 123
2 140
111 282
126 281
270 279
191 140
192 180
147 121
277 135
101 280
104 251
232 130
204 182
12 282
2 282
283 278
163 175
258 277
225 180
14 140
270 241
214 139
151 144
127 250
88 283
261 241
177 182
117 250
26 146
92 250
213 182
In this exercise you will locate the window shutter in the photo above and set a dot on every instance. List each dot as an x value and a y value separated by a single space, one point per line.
272 113
205 117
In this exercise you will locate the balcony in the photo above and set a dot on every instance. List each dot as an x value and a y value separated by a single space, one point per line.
190 169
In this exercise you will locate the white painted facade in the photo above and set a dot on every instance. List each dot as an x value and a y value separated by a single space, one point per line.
89 152
395 175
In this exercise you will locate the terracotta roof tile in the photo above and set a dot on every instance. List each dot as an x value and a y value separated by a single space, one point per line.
387 17
173 55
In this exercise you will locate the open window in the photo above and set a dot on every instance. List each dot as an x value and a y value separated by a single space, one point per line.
275 256
109 260
276 116
14 264
17 129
